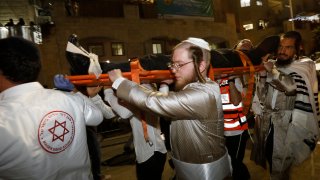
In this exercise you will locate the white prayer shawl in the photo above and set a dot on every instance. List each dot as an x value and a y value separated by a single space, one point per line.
303 131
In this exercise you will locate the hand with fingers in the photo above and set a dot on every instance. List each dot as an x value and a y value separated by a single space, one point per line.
114 74
93 91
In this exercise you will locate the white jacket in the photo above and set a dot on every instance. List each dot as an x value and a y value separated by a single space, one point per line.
43 135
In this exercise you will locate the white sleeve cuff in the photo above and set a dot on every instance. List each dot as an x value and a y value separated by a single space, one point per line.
117 83
164 88
96 98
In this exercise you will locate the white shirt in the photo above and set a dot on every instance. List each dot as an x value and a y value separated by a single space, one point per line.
143 149
43 133
106 110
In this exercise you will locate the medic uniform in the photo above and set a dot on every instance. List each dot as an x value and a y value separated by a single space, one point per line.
43 133
235 129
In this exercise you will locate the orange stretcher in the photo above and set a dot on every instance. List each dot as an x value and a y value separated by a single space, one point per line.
139 75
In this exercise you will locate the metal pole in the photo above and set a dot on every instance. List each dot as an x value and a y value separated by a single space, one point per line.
291 14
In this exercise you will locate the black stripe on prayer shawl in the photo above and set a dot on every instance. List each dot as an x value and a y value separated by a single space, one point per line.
302 92
294 74
300 81
298 78
302 87
303 106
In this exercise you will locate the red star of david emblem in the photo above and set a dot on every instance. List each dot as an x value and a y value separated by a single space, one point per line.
57 128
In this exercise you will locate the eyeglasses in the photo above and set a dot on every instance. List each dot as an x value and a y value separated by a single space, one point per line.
286 48
176 66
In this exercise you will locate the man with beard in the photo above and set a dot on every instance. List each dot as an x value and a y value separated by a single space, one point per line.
195 108
290 114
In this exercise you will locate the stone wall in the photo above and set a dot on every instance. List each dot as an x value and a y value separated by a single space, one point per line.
134 32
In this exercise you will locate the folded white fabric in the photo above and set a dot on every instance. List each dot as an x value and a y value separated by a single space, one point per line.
74 49
94 67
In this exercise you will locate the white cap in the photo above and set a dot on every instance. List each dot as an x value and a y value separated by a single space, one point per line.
198 42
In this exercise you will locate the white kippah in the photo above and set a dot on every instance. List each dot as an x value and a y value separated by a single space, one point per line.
198 42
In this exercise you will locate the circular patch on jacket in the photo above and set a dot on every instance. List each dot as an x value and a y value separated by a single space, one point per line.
56 131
